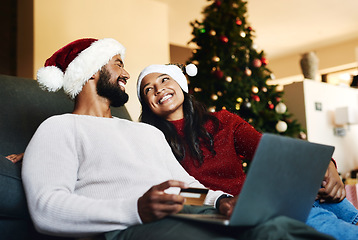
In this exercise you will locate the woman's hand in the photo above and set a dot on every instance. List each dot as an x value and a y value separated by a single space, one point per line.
15 157
156 204
332 186
226 205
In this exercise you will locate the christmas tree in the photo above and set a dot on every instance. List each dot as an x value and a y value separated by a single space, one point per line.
232 74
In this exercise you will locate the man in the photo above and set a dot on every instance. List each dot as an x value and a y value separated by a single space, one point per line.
87 173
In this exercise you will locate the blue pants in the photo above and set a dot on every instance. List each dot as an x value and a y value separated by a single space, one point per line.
335 219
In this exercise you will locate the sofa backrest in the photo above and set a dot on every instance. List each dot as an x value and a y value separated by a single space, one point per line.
24 106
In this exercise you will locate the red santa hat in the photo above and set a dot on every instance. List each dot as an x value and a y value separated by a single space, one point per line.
71 66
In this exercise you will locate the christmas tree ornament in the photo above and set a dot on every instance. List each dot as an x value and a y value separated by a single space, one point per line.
218 73
256 98
219 94
214 97
238 22
216 59
264 61
281 126
202 30
212 32
255 89
248 72
194 51
256 63
191 70
271 106
264 89
224 39
235 5
303 135
228 79
242 34
196 89
280 108
217 3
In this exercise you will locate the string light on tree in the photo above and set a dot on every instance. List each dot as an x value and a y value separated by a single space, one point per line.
255 89
228 79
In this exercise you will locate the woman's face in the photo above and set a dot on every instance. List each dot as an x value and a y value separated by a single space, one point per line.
163 95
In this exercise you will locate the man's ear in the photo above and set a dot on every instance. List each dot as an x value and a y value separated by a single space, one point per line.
95 76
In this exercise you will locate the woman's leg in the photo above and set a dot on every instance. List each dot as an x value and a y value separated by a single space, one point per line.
327 222
343 210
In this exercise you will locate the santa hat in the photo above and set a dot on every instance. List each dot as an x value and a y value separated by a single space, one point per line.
71 66
172 70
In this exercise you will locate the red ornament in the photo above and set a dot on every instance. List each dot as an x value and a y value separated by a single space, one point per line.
256 63
271 106
264 61
256 98
224 39
238 22
278 99
218 3
218 74
249 28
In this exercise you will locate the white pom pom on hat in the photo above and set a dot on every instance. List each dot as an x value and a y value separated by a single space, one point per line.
71 66
191 70
50 78
172 70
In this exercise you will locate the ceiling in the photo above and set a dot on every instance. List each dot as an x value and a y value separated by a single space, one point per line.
282 27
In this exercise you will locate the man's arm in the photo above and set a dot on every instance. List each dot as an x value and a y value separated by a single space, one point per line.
50 174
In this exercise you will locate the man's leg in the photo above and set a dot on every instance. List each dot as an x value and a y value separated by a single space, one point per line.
171 228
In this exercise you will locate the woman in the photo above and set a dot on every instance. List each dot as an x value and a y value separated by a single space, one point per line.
211 146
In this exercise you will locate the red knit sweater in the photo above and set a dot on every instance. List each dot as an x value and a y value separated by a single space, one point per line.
235 140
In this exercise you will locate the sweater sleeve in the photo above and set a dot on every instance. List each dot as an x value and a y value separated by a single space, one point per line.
246 137
49 176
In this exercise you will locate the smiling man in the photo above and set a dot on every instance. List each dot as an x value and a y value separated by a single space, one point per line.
88 173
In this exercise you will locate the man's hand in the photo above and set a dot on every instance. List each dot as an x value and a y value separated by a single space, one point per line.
15 157
226 205
332 186
156 204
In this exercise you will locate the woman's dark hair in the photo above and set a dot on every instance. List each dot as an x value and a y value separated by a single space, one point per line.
195 115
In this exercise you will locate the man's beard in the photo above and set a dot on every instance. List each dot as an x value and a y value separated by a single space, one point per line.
111 91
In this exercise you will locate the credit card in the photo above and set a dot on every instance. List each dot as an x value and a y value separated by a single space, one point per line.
194 196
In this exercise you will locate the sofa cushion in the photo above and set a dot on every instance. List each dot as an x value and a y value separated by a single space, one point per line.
24 106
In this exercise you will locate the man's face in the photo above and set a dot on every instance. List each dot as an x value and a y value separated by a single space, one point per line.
112 80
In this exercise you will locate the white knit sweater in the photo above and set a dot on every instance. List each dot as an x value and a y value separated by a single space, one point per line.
83 175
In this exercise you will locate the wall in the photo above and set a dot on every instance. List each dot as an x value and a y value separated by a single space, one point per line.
301 99
140 25
330 57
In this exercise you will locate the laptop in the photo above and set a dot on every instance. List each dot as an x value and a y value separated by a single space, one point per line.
283 179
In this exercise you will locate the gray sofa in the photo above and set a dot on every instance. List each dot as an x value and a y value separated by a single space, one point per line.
23 106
